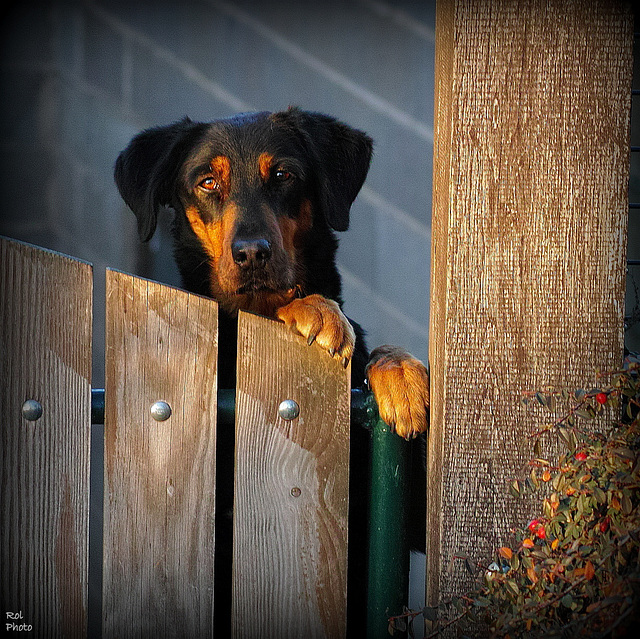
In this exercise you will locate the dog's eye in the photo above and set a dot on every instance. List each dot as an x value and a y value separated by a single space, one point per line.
282 175
209 184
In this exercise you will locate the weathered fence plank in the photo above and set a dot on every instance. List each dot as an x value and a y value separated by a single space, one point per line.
528 255
45 355
159 475
291 499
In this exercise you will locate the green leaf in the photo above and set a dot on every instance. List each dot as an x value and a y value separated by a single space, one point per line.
559 482
482 602
572 531
566 601
430 613
600 495
573 440
586 412
568 437
534 478
542 399
469 566
625 453
548 511
536 447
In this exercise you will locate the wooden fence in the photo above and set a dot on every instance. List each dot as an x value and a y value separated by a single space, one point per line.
289 574
45 357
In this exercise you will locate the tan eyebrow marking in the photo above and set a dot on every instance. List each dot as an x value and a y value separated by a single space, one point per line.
265 162
221 166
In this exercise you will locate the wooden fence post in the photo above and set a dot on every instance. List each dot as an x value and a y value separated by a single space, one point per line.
159 475
291 494
45 356
528 255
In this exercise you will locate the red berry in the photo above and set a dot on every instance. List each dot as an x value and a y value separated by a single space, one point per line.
601 398
581 456
537 528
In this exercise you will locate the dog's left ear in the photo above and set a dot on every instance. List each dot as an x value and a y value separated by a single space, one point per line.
341 156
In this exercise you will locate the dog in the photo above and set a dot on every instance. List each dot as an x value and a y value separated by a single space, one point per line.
258 199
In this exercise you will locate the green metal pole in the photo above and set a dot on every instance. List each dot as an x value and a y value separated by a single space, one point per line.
388 587
97 405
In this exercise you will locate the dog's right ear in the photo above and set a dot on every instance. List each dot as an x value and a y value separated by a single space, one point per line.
146 171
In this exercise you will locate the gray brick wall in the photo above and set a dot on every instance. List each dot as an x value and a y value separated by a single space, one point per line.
79 79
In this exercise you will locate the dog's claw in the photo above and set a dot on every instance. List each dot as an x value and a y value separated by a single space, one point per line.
320 319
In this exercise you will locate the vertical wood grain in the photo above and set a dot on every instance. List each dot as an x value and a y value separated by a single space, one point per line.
290 552
528 254
45 354
159 476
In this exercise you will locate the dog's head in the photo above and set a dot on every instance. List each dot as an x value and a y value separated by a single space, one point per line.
251 189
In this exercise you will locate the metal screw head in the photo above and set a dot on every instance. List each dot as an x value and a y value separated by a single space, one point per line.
296 492
160 411
32 410
288 409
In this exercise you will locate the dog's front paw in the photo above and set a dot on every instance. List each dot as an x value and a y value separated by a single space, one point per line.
320 319
400 385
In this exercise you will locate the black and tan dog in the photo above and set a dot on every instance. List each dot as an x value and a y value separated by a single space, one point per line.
257 199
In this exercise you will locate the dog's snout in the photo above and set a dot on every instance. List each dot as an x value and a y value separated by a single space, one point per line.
248 253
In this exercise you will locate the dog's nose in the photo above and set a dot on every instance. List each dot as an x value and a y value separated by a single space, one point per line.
248 253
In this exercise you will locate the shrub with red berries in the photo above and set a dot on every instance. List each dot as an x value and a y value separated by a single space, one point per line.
573 571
